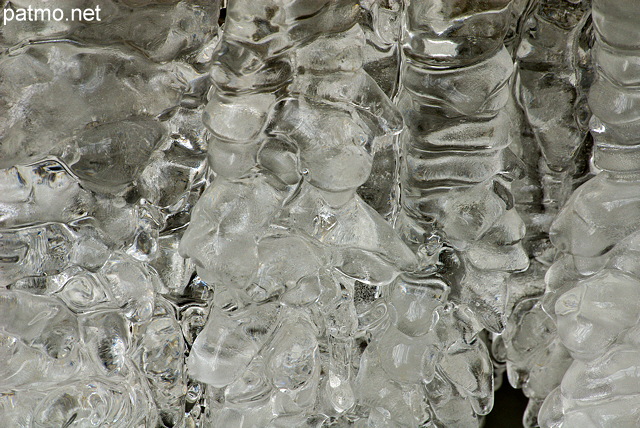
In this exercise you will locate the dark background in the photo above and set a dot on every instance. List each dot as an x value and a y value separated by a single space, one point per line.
508 408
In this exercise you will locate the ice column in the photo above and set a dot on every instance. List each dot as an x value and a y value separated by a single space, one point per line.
553 76
426 366
297 259
381 21
592 288
457 208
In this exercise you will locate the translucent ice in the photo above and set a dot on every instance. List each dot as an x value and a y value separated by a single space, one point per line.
591 290
455 94
102 152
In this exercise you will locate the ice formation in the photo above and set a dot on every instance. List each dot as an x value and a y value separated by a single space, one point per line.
592 286
319 214
354 332
103 155
456 170
552 78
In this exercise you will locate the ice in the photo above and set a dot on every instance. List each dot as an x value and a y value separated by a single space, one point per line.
536 359
108 340
83 291
352 225
335 158
224 247
102 154
391 405
161 358
608 376
592 288
282 230
449 407
595 210
553 79
252 388
54 71
33 251
405 359
40 322
174 271
115 404
592 315
380 22
131 285
124 161
320 214
614 22
178 167
446 34
381 26
172 28
45 191
457 102
415 301
229 342
551 43
293 359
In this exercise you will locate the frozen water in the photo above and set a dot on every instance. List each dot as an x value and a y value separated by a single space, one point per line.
102 153
322 214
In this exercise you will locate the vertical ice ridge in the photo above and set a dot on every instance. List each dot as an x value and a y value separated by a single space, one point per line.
321 315
456 165
429 340
592 288
552 78
381 22
303 269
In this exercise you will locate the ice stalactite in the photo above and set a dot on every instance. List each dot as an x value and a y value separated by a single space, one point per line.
457 207
552 78
592 287
296 258
321 315
381 21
